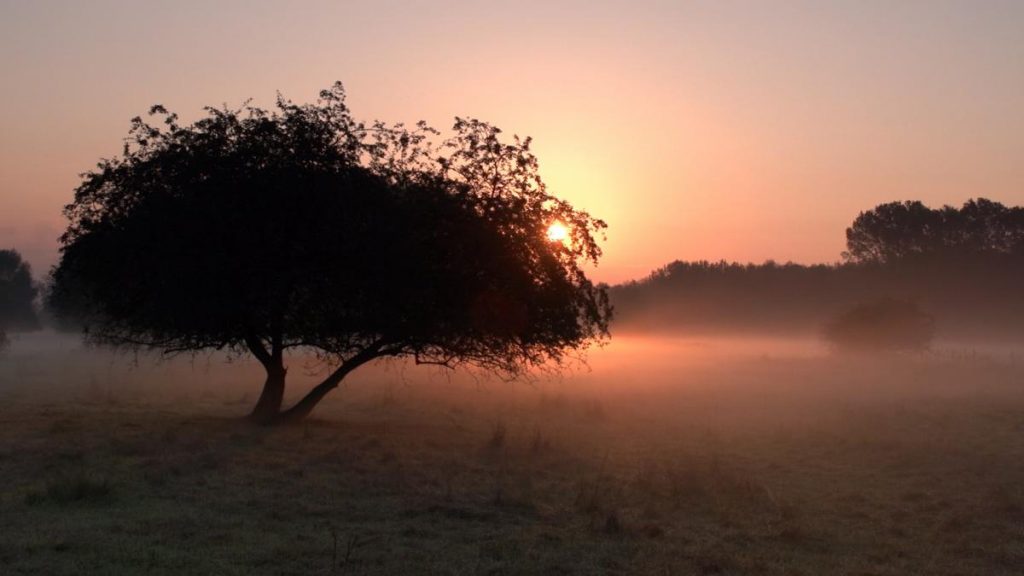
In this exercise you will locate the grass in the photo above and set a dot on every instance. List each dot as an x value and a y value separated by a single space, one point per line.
753 466
68 490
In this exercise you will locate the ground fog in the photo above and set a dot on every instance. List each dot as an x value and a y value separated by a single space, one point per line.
679 455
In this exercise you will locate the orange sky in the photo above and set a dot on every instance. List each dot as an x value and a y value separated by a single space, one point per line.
698 130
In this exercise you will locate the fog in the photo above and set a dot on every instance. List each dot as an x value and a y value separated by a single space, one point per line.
629 371
718 455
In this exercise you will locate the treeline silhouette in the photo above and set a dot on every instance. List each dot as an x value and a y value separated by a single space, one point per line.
896 232
964 267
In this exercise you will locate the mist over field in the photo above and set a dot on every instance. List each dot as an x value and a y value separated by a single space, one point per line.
706 455
41 364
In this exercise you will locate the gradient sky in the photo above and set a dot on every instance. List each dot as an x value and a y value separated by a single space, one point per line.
698 130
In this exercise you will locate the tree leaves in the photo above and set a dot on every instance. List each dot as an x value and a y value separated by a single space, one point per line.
303 226
899 230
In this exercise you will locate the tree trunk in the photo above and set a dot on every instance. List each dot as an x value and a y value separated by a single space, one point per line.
303 407
268 407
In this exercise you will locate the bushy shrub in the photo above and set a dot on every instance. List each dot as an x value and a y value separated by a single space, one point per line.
884 324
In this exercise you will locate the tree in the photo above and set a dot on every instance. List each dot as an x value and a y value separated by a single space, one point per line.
17 293
984 226
893 231
302 229
900 230
883 324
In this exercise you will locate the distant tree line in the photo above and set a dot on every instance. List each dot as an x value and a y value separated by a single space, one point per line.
899 231
964 267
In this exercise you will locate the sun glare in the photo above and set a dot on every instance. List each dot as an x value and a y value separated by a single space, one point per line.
557 232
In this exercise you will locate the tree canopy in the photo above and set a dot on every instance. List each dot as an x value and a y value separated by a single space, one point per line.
301 228
899 230
17 293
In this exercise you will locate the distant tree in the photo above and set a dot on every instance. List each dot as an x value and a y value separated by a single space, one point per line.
893 231
900 230
984 226
884 324
17 293
300 228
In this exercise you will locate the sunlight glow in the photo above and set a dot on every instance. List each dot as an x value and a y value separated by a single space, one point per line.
557 232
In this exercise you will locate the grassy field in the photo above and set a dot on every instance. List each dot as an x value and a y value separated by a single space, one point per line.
663 459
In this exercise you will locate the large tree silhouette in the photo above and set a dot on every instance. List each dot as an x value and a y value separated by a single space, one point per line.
300 228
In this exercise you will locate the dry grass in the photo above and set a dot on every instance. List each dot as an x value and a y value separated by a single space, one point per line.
751 466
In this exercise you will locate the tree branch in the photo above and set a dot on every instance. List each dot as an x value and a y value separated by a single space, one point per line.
255 346
306 405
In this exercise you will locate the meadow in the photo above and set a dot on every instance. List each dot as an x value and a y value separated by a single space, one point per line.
663 456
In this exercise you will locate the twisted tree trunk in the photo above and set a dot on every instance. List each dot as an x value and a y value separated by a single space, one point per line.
268 408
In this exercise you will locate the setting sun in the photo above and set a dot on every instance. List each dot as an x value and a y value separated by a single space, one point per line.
557 232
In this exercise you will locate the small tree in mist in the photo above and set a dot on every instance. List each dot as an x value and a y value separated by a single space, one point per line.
17 293
302 229
884 324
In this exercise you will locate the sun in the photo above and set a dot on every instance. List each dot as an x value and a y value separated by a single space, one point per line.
557 232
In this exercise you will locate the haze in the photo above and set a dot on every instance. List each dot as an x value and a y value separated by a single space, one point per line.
742 131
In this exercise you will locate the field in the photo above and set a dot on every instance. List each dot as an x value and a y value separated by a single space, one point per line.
664 457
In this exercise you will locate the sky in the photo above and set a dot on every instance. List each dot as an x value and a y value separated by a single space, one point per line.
698 130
